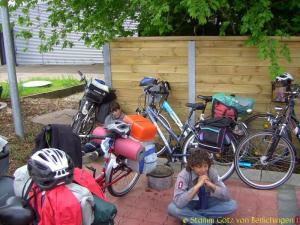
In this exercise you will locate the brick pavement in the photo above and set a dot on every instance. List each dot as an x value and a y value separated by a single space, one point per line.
145 206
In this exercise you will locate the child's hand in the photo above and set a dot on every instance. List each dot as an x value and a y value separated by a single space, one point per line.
201 180
209 184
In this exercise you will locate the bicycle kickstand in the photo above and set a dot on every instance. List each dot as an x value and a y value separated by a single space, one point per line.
92 169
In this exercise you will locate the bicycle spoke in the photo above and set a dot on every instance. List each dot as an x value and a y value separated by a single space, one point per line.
256 169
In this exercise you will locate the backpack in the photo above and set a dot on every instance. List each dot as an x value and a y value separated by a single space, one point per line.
87 192
104 212
213 134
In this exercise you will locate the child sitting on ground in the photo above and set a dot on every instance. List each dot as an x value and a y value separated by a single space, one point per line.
200 197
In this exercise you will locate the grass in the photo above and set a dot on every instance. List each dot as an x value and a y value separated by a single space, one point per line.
57 84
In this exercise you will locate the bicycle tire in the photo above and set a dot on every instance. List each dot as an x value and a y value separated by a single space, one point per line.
217 164
88 124
113 189
77 123
249 159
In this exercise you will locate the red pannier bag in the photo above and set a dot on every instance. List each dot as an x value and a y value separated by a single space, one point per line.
220 110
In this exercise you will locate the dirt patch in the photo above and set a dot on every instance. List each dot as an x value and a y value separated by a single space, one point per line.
21 149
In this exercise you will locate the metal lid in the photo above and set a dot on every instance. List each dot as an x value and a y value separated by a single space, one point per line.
161 171
37 83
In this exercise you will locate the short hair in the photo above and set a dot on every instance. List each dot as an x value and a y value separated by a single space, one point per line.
198 157
114 106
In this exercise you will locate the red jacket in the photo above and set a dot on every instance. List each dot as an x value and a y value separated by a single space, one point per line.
59 206
86 180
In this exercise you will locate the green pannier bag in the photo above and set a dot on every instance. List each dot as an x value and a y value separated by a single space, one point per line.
241 104
104 212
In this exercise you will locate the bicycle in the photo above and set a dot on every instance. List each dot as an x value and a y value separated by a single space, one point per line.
177 147
95 94
115 168
266 160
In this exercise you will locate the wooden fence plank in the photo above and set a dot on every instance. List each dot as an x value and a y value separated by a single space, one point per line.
149 68
150 60
141 52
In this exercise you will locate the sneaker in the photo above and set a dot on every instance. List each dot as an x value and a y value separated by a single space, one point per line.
89 157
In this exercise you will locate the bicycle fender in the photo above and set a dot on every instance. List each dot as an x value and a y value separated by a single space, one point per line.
111 164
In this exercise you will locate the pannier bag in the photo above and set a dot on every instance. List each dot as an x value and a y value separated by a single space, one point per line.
220 110
213 134
279 88
104 212
241 104
142 129
97 91
147 163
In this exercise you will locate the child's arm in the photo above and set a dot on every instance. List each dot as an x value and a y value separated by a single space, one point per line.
219 189
183 195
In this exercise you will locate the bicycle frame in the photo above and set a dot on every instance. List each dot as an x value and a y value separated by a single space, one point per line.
153 115
109 164
168 109
290 122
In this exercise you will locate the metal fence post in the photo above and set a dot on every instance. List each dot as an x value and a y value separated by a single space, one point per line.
192 74
107 69
11 70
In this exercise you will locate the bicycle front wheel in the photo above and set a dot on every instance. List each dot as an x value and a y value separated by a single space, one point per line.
253 168
223 162
122 179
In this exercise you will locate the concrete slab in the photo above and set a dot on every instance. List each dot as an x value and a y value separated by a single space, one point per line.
59 117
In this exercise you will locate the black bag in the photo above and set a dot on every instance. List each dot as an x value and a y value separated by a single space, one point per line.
104 212
213 134
62 137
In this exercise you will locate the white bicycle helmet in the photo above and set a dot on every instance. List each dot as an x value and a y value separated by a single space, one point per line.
285 77
50 167
119 127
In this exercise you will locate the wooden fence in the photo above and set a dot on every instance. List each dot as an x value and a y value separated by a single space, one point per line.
222 64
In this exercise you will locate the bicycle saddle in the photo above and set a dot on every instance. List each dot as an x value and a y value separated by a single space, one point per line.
195 106
205 98
146 81
14 212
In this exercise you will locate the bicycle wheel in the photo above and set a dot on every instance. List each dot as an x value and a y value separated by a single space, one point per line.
223 162
239 131
252 168
122 179
259 122
88 123
77 123
159 144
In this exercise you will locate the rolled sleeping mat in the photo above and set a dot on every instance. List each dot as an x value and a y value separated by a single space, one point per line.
129 148
99 131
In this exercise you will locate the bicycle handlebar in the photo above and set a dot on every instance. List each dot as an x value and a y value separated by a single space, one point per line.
92 136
